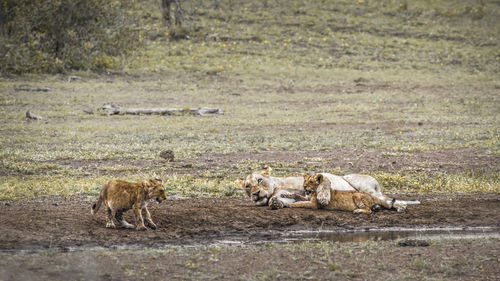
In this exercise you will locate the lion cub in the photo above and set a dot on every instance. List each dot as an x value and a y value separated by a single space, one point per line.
120 196
324 196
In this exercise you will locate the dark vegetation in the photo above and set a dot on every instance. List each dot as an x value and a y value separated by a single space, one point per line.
56 36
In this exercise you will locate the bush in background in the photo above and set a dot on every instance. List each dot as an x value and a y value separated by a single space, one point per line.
59 35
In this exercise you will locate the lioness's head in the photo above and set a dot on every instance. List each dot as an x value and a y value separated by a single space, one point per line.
155 189
311 182
257 186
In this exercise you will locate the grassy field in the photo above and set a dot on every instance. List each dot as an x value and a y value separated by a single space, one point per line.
394 77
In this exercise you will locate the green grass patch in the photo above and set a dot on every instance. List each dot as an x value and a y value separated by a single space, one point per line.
392 76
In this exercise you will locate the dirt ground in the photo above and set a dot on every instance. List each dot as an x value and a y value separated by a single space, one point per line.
53 239
55 223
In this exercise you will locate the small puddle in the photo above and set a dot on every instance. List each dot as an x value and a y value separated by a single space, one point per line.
372 234
343 236
377 234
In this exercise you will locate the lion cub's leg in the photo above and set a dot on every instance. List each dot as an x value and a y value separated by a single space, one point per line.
148 219
362 202
138 218
284 199
109 219
123 222
313 204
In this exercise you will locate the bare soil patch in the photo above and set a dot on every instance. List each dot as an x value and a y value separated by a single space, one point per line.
55 223
357 160
352 161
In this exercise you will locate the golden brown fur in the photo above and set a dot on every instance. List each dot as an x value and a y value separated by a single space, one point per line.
119 196
276 192
323 196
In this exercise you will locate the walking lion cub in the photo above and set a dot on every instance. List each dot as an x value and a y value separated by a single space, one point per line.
119 196
324 196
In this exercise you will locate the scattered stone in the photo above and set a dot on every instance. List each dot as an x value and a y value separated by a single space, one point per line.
33 116
167 155
74 78
413 243
361 81
88 111
420 123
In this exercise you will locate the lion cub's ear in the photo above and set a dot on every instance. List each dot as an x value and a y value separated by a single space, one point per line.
319 178
267 171
306 175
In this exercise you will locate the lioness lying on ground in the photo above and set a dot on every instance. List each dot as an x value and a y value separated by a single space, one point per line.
120 196
324 196
279 192
264 189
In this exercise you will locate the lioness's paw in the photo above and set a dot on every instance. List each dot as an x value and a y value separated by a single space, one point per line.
152 225
275 204
362 211
401 209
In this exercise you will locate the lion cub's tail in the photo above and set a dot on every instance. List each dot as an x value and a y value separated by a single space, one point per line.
95 206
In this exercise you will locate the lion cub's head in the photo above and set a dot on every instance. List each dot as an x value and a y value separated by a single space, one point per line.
311 182
155 189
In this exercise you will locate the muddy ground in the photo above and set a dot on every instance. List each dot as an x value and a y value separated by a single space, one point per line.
54 239
55 223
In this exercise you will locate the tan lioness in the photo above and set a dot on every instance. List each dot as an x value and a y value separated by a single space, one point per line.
264 189
119 196
326 197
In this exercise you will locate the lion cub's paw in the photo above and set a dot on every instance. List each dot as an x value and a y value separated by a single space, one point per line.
275 204
128 225
110 225
141 228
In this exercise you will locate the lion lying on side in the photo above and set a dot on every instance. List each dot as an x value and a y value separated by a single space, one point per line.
119 196
324 196
277 192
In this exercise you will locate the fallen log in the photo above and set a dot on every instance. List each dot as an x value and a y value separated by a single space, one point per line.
27 89
112 109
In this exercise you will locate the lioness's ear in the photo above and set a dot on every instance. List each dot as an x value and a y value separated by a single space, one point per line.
240 181
306 175
319 178
157 179
267 171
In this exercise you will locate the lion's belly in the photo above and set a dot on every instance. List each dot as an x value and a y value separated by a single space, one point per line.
341 201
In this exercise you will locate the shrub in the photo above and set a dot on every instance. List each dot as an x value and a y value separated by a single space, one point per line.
59 35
